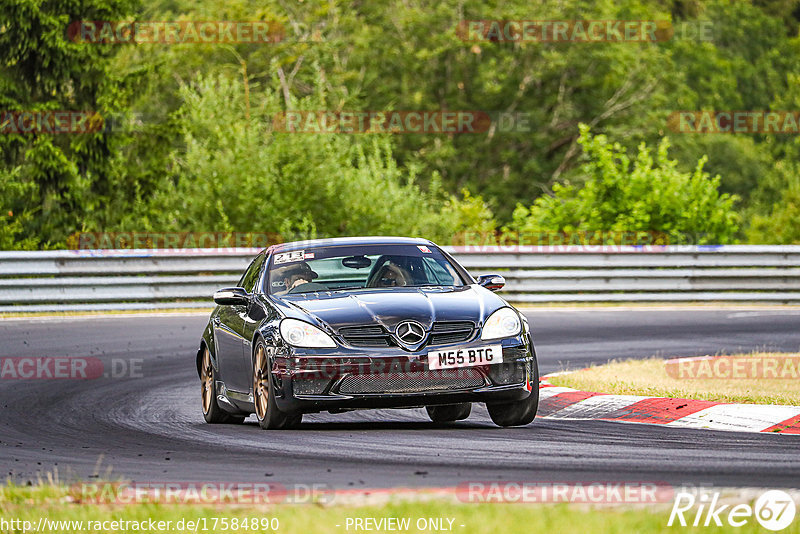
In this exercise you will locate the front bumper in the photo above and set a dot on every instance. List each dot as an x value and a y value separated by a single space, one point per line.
314 380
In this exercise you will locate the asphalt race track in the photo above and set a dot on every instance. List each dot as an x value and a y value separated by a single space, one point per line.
148 427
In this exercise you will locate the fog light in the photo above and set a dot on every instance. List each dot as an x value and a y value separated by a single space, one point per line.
507 373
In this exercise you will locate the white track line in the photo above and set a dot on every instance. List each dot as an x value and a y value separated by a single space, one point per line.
738 417
597 407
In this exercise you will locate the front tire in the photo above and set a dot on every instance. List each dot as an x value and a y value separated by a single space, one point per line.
449 412
212 413
268 414
521 412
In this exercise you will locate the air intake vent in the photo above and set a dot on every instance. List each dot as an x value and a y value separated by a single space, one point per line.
445 332
366 336
450 326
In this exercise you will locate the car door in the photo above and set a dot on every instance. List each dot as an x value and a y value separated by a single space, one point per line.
250 316
229 335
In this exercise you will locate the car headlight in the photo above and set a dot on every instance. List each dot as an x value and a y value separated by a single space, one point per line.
302 334
502 323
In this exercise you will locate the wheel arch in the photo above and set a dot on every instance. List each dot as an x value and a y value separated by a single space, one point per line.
268 334
199 358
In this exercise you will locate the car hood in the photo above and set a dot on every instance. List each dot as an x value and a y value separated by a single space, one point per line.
388 307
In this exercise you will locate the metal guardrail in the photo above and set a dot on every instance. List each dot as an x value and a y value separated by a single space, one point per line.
131 279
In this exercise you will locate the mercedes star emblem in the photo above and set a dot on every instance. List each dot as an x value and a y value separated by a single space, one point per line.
410 332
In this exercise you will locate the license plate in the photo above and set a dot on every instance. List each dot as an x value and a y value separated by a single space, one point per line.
450 358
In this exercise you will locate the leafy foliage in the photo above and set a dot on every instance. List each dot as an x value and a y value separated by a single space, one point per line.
198 154
57 180
646 193
237 173
782 224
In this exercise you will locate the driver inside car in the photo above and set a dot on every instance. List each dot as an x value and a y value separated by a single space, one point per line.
296 275
392 275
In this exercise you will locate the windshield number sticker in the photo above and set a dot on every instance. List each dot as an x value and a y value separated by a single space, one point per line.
424 249
289 257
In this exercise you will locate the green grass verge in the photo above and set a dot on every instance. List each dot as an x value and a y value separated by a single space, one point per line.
650 377
32 503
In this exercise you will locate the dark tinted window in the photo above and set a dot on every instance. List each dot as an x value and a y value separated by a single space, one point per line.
248 280
349 267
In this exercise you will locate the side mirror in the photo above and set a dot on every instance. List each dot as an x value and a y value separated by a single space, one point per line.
492 282
231 296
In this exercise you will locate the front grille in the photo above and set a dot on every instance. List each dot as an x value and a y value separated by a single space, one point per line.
367 341
361 330
452 326
442 333
421 382
303 385
445 332
366 336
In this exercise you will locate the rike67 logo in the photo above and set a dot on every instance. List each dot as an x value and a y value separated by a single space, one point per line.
774 510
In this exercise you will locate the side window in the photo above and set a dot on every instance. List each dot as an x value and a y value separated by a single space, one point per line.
250 276
436 272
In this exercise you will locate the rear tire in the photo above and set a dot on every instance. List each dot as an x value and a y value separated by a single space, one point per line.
212 413
449 412
269 416
521 412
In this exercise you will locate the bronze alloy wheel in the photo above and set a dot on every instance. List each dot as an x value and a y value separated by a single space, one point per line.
206 381
269 416
261 382
212 412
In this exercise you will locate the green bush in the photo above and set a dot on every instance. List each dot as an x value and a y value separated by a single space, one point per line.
624 195
782 225
237 173
13 193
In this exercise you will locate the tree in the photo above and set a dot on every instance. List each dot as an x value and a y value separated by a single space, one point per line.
782 224
391 55
237 173
624 195
58 180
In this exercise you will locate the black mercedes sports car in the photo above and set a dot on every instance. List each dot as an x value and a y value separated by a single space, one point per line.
375 322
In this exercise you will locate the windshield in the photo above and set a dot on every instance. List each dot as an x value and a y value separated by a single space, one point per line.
342 268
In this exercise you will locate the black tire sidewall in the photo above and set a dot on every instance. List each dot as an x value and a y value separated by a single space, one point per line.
449 413
521 412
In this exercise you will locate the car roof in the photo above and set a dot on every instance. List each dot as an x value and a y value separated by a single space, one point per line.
371 240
